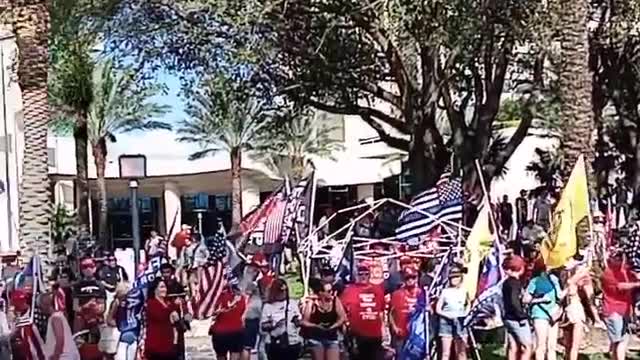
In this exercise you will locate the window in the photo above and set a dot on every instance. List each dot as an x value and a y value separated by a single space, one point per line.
5 143
51 157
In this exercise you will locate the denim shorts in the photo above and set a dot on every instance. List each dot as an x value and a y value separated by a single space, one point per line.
451 328
520 330
323 343
617 327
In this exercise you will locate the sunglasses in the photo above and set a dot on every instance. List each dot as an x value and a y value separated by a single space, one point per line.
112 259
411 277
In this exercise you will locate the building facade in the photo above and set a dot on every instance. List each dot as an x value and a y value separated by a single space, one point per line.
178 191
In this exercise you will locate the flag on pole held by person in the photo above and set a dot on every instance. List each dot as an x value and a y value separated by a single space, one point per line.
489 287
298 202
478 245
443 202
420 334
211 281
31 325
252 220
273 225
570 219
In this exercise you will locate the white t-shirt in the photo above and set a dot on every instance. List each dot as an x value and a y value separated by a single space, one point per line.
274 313
70 350
454 301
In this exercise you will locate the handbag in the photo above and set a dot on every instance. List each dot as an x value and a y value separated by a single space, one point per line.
282 341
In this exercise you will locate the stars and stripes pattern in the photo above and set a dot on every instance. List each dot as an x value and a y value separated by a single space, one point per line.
444 202
257 216
31 338
211 280
273 223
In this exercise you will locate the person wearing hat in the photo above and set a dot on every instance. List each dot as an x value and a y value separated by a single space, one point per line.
364 303
516 321
265 275
452 308
618 284
26 341
403 301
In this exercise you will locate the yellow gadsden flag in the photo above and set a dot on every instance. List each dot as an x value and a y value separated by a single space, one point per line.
478 246
569 217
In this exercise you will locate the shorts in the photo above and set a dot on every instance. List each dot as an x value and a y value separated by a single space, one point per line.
617 327
251 331
228 343
520 330
451 328
324 343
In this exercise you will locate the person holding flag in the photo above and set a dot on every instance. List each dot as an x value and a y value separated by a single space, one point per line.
403 302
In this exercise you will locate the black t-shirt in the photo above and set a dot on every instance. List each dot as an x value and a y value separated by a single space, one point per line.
512 299
175 289
110 277
89 288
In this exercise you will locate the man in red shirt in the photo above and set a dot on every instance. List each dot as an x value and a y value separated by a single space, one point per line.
403 301
364 303
617 285
266 276
227 327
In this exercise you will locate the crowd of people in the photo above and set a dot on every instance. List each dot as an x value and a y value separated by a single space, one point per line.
360 316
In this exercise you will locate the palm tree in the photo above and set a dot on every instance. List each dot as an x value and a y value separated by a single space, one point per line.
118 106
298 137
71 95
575 86
547 168
224 117
31 25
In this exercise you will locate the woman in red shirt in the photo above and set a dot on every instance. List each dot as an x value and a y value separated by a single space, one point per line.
227 327
160 343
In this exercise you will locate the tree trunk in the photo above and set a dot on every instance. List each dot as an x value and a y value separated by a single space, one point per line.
82 183
32 29
100 156
297 167
427 153
236 187
576 88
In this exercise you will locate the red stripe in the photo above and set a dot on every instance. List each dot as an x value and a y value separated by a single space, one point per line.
274 223
210 286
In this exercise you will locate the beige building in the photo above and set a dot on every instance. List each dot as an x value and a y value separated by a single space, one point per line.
177 189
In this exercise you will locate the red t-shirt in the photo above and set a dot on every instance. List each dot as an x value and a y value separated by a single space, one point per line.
364 304
403 301
616 301
159 329
264 283
230 319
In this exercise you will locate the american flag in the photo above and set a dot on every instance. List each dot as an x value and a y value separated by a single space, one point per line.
211 280
252 220
443 202
275 219
31 339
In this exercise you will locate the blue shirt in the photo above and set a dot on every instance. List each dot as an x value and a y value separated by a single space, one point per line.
547 287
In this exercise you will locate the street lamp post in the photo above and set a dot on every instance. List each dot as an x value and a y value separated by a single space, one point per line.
133 168
199 214
135 221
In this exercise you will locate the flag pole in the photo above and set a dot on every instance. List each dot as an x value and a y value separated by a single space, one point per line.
486 196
